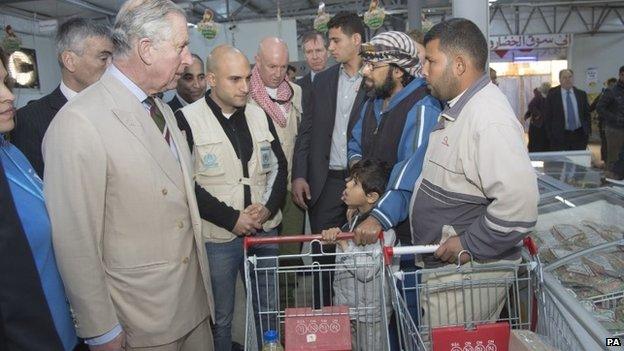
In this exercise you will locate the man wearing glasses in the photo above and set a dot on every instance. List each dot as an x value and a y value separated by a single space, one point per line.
394 123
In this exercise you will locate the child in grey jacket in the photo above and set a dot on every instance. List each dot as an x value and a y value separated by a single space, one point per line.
358 278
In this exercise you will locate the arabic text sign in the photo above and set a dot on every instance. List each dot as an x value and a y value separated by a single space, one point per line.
510 42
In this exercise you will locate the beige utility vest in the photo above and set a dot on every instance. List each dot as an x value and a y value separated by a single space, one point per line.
218 170
288 134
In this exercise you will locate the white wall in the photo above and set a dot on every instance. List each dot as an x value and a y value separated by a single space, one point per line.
604 51
246 36
49 72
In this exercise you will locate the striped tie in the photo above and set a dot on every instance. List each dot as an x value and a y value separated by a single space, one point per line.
158 118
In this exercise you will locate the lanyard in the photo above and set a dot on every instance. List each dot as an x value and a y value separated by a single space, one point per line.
34 188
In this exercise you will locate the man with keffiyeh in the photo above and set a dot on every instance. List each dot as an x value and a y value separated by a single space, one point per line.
395 123
281 101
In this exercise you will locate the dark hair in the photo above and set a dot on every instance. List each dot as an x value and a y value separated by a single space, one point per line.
407 78
565 70
291 68
461 35
195 56
309 36
349 22
372 174
613 80
621 69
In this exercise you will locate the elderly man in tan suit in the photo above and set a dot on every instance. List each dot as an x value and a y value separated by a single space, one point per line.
119 189
281 101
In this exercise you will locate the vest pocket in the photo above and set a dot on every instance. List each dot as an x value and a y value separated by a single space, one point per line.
209 159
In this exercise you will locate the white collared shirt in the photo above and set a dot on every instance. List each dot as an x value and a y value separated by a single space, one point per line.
67 91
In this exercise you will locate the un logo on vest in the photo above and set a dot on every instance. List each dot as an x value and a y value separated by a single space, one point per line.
210 161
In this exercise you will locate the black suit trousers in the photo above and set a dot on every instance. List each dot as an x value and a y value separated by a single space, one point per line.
328 212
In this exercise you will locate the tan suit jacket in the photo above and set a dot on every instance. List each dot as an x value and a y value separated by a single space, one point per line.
125 223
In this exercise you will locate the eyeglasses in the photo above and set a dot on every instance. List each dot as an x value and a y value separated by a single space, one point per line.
369 65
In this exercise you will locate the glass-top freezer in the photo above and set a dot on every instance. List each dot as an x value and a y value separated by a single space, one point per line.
581 241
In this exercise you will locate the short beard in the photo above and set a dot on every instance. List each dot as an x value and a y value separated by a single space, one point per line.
385 91
449 86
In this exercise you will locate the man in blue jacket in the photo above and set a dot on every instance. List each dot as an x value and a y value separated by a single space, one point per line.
395 123
394 127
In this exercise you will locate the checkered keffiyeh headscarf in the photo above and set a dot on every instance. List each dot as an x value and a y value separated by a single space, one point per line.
393 47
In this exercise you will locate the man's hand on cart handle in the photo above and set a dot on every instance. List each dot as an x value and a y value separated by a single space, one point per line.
246 225
301 192
367 232
449 250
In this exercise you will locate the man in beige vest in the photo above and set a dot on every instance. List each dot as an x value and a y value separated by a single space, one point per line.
281 101
241 173
120 193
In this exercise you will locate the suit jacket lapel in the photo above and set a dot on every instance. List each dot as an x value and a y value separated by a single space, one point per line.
355 110
137 120
333 90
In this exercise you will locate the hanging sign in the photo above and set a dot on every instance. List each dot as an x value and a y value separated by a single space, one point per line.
375 15
535 41
321 20
207 27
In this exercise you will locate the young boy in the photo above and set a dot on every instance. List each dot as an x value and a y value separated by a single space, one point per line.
358 277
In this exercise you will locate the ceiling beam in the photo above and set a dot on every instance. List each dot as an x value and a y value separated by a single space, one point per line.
250 5
91 7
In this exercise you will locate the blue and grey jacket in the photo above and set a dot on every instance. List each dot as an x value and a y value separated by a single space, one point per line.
417 111
421 118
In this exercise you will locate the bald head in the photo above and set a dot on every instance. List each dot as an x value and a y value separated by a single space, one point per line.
272 61
223 54
228 75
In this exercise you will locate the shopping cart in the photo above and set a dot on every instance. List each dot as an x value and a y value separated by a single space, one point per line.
287 307
461 307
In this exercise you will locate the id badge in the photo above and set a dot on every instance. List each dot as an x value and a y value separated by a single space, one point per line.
265 157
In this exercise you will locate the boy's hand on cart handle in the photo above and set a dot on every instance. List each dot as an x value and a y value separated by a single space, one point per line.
330 235
246 225
367 232
449 250
301 192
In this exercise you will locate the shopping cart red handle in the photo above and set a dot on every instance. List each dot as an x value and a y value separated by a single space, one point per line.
250 241
389 251
530 245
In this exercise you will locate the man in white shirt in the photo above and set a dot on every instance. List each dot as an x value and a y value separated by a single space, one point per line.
316 56
191 86
84 51
566 115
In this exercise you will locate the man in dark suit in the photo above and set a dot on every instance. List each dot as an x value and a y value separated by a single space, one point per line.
191 86
316 57
25 319
320 157
84 51
566 115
